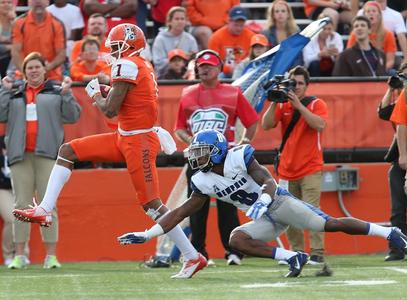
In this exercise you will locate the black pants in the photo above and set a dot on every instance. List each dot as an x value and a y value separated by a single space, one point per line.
227 221
398 197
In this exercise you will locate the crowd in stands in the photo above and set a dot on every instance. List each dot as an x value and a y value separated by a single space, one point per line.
192 25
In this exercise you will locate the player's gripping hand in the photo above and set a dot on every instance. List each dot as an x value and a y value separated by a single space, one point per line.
133 238
93 88
259 207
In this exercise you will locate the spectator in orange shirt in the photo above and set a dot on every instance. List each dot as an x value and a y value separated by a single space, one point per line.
232 41
96 28
39 31
381 38
89 67
300 168
208 16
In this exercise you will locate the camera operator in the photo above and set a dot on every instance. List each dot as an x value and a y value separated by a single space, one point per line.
301 161
396 172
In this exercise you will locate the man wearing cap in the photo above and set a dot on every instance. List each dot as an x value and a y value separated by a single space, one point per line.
177 62
214 105
232 41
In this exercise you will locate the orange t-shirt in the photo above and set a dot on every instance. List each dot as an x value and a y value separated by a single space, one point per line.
309 8
302 153
399 115
32 125
79 69
389 42
76 50
202 12
139 109
231 48
47 38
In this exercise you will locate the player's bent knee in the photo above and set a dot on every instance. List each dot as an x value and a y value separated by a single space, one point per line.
238 239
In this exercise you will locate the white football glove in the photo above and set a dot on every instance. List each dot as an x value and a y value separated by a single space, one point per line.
133 238
259 207
93 88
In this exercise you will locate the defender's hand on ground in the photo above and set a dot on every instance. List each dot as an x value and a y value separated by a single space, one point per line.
133 238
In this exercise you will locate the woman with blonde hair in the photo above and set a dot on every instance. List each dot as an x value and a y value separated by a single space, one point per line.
172 37
280 22
380 38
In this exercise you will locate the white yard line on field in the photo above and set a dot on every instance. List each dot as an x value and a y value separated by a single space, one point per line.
400 270
324 283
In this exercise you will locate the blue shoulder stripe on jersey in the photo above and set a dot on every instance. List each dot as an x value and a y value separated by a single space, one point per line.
194 188
248 155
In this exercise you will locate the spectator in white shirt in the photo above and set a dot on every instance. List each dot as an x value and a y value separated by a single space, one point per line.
70 15
321 52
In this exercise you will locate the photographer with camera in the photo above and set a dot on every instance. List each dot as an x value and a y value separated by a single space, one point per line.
301 161
397 173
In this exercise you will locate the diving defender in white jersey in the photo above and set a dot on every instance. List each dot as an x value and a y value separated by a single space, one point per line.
234 175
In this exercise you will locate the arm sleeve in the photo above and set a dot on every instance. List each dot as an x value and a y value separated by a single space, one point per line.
125 70
194 188
4 104
320 108
181 118
245 111
389 43
399 115
248 155
71 110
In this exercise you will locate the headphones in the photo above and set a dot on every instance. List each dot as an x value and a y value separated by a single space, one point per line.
202 53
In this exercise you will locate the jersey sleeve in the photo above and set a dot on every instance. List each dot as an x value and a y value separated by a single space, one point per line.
399 115
245 111
194 188
248 157
125 70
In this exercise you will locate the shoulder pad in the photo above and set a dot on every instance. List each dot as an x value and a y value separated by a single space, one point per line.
124 69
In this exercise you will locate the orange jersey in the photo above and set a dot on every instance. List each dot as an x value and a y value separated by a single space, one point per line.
302 154
389 42
399 115
231 48
79 69
47 38
202 12
139 109
76 50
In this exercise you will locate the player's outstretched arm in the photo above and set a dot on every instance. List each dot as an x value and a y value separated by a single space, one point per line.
262 177
110 105
168 222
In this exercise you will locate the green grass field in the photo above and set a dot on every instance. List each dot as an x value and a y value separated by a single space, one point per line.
355 277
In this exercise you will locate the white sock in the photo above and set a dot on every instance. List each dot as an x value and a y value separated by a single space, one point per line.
378 230
283 254
181 241
59 176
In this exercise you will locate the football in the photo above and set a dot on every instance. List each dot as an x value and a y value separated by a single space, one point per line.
104 90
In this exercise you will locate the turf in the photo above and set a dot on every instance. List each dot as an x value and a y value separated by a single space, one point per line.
354 277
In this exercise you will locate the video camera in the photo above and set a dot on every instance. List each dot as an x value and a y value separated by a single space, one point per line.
278 87
397 80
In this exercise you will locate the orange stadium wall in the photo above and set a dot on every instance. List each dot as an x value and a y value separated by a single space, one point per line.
97 205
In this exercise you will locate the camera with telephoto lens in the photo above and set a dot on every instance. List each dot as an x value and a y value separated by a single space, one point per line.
278 87
397 81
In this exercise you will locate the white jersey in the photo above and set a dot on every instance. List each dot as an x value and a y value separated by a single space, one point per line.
236 186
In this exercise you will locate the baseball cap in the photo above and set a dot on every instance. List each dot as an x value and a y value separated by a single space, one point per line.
177 53
237 13
208 59
259 39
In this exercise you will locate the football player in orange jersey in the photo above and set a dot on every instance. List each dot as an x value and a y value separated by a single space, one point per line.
133 99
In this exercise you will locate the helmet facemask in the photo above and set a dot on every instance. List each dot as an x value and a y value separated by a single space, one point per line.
199 156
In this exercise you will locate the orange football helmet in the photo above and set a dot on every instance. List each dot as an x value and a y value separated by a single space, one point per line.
125 40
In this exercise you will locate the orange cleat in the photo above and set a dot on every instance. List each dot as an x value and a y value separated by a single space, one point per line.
190 267
35 214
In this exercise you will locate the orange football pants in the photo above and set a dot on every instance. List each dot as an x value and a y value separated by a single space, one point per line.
139 151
